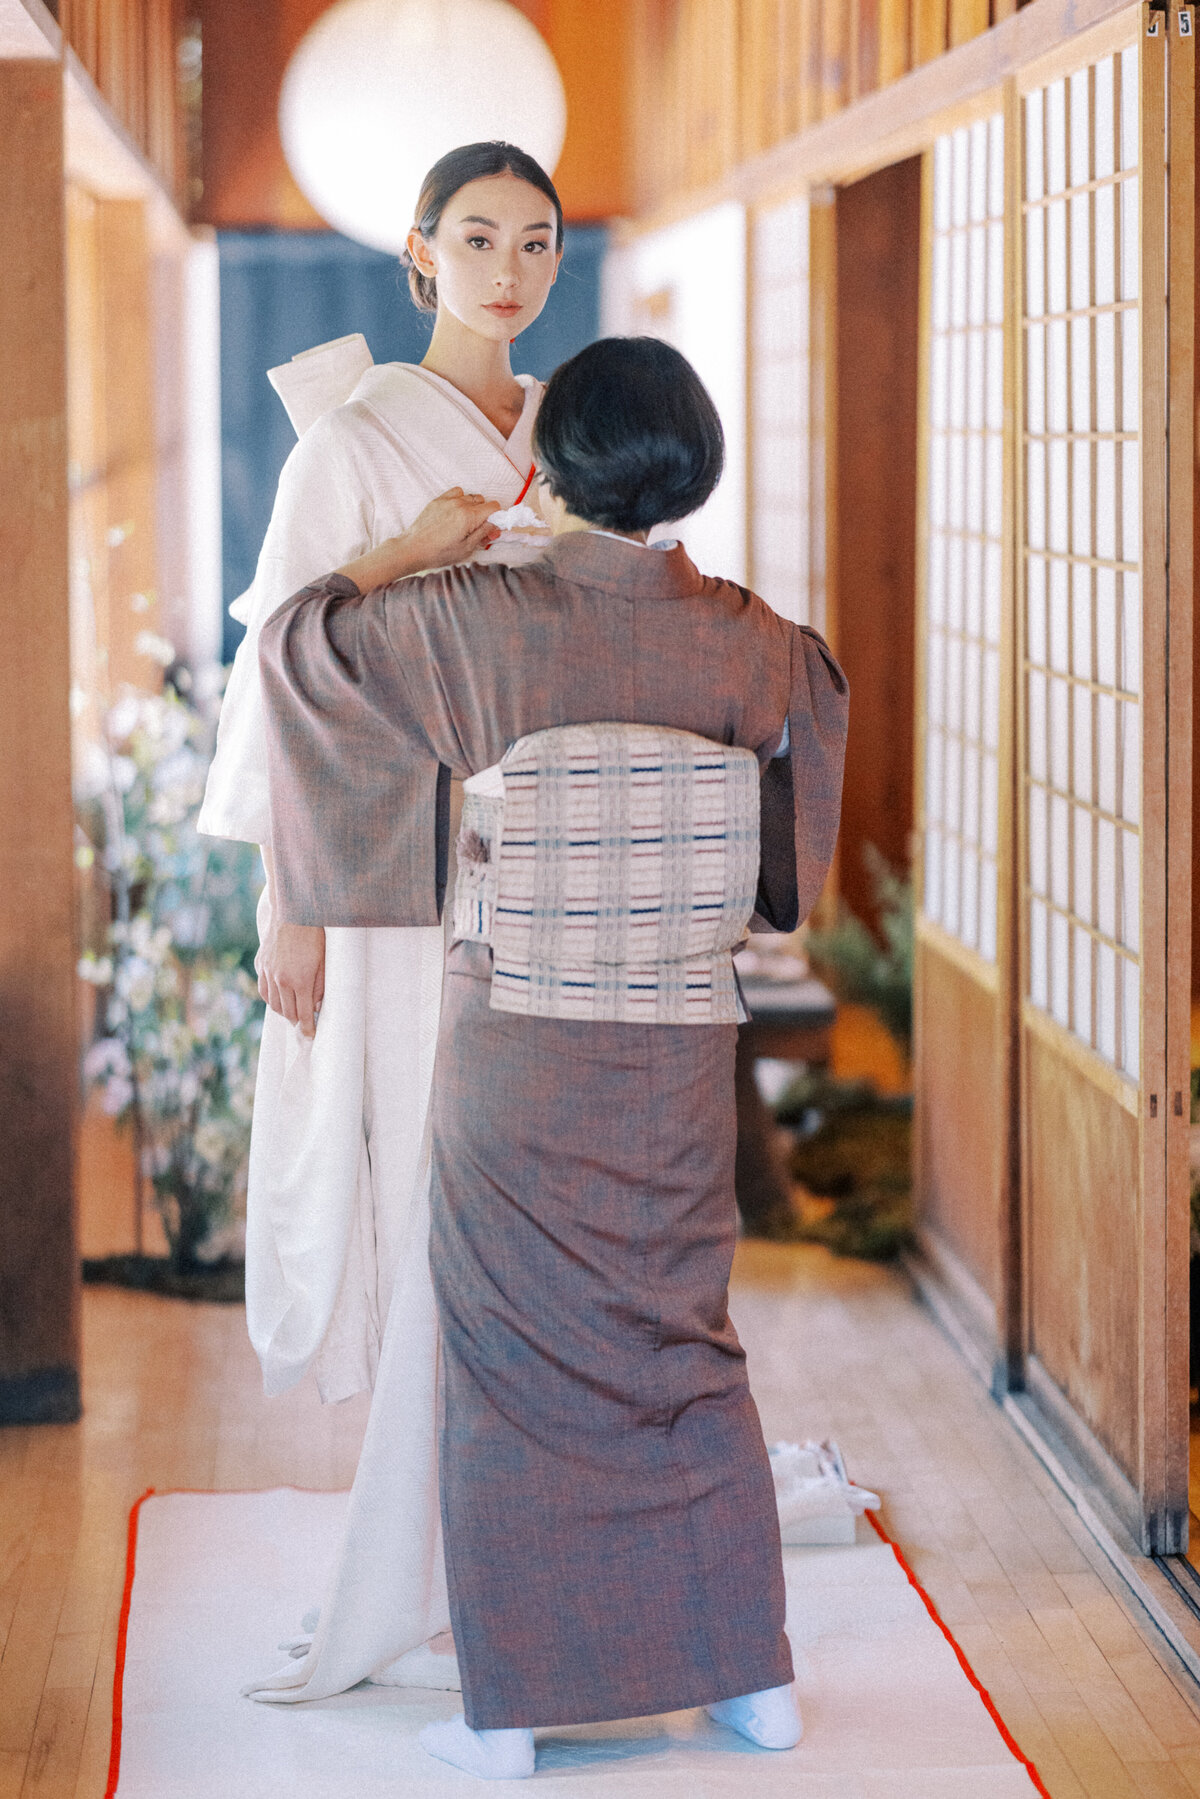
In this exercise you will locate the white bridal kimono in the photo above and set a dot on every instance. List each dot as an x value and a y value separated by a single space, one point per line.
337 1270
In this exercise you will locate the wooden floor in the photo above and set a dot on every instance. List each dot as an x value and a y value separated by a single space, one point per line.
173 1400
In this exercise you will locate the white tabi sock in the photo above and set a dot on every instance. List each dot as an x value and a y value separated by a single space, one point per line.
491 1754
769 1718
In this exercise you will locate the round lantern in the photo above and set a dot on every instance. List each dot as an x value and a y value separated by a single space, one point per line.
378 90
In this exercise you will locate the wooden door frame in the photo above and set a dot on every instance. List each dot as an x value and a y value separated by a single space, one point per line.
986 1325
1172 1311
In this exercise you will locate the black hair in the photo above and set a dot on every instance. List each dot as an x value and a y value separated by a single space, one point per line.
627 435
451 173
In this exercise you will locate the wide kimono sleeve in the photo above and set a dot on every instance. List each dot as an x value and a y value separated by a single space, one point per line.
322 517
801 792
357 788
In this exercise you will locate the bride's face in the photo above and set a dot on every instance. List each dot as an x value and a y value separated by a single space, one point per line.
494 255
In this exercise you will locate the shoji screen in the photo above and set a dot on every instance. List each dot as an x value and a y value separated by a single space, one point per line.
1055 600
964 535
779 440
1082 554
1105 318
964 712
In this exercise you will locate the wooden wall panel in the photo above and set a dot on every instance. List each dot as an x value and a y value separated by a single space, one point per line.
129 48
895 40
1083 1224
878 279
712 50
809 13
967 19
164 118
930 29
787 54
957 1168
864 50
756 98
39 1275
80 20
835 60
794 64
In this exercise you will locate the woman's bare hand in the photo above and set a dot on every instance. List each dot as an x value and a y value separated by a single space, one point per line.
450 529
290 965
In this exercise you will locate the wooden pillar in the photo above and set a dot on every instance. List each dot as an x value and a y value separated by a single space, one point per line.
39 1270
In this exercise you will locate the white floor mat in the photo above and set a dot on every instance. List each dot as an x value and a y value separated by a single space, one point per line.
220 1578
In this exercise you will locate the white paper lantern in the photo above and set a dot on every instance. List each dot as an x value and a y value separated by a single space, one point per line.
378 90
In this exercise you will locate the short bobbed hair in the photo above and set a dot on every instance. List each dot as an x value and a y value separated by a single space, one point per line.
627 435
448 176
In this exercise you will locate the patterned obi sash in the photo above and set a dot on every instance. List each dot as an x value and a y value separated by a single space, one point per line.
613 869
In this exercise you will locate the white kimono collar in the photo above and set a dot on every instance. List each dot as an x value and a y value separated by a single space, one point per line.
517 446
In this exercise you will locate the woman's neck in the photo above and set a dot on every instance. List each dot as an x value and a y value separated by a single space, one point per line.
479 367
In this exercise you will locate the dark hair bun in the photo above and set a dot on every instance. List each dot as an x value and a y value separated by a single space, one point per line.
627 435
451 173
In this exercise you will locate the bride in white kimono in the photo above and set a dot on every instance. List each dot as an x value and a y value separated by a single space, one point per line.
337 1273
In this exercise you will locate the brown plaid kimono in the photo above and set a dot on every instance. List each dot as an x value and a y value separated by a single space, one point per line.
612 1547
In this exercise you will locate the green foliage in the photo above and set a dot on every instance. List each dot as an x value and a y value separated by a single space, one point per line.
860 970
853 1148
174 961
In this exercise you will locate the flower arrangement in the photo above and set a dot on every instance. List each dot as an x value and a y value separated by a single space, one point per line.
172 958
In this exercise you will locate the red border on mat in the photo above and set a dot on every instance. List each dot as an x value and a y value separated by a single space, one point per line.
114 1754
114 1759
1010 1742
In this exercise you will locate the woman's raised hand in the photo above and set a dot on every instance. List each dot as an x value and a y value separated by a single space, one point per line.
450 529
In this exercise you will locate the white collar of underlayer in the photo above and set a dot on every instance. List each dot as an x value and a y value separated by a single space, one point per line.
662 543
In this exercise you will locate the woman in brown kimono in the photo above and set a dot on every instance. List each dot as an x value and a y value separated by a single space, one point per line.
604 1479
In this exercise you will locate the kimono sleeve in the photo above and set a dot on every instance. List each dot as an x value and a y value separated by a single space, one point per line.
321 518
801 793
356 789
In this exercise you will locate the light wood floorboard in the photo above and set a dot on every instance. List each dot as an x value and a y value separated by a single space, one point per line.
1078 1670
173 1399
